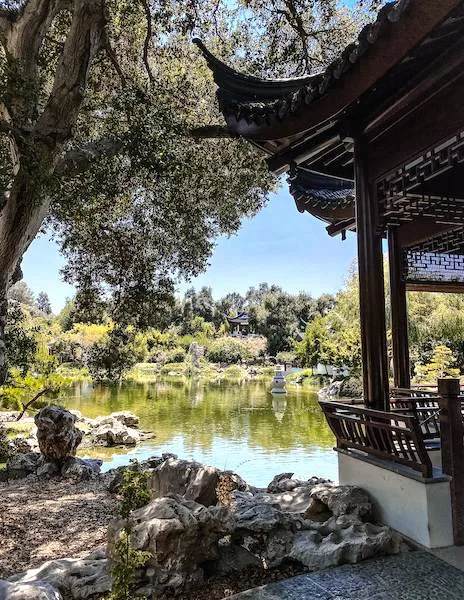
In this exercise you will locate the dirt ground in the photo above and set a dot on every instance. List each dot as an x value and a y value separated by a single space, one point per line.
42 520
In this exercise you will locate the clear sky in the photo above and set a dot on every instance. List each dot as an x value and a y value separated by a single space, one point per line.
279 246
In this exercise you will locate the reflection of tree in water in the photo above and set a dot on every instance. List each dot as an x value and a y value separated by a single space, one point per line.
200 412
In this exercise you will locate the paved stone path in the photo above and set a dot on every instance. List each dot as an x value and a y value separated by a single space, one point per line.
411 576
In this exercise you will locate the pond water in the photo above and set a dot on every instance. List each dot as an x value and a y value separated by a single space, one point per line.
240 427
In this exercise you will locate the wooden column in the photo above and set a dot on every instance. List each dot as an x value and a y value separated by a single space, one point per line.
452 450
371 286
399 312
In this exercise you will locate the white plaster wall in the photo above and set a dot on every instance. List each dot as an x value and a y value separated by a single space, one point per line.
420 511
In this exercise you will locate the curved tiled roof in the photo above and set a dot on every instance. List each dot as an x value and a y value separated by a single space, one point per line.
313 190
255 99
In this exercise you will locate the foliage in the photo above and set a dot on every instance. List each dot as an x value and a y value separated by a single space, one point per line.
286 357
43 303
4 445
21 293
19 390
231 350
21 343
234 372
135 494
134 490
442 364
115 354
334 339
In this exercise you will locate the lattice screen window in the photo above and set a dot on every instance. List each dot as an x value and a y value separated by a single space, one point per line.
433 266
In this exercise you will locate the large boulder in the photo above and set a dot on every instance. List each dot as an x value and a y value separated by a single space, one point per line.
28 591
181 535
57 435
316 524
76 578
191 480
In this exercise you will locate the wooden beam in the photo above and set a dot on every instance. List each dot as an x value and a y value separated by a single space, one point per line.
399 312
371 287
442 287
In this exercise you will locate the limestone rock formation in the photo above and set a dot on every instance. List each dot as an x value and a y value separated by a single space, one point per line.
112 432
78 579
28 591
57 435
191 480
181 535
32 463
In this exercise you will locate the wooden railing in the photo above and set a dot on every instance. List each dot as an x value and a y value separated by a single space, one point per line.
391 436
424 408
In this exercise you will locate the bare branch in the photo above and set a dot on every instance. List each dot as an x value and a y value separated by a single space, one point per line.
31 402
211 132
78 160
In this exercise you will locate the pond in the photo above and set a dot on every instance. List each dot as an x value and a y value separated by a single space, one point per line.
239 427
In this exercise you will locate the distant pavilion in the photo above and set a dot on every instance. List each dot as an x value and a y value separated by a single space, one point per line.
374 144
239 325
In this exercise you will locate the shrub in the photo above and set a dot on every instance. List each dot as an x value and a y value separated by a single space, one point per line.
234 372
232 350
174 368
286 357
135 494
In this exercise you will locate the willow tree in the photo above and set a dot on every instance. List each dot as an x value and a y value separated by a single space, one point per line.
97 99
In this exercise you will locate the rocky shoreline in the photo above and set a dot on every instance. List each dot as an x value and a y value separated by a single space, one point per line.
200 524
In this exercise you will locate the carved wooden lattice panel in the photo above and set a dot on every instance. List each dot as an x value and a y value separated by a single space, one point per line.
433 267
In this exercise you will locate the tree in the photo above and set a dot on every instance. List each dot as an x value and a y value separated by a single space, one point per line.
442 364
115 354
43 303
22 293
97 101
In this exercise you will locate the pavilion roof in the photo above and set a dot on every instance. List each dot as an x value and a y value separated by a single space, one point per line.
302 120
312 190
255 99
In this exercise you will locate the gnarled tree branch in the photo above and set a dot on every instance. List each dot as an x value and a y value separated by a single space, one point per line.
78 160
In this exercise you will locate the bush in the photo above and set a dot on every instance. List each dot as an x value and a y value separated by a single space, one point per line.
174 368
234 372
232 350
286 357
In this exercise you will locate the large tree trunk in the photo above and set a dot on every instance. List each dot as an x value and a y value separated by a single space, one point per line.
37 140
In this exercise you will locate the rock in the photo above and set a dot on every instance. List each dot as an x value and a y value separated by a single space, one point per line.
114 433
233 559
191 480
78 578
21 465
181 535
125 417
57 434
47 468
343 499
285 483
81 469
24 444
28 591
7 416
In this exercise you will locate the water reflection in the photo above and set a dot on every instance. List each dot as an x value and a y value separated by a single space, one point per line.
234 426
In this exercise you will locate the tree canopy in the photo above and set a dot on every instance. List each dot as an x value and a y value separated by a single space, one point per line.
97 102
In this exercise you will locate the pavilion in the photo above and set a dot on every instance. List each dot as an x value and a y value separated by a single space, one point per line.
374 144
239 324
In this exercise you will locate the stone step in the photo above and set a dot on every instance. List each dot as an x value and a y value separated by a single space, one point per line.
411 576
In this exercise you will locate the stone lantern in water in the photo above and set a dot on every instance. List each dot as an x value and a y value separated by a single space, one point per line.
278 382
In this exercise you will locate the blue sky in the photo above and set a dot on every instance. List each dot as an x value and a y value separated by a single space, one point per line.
279 246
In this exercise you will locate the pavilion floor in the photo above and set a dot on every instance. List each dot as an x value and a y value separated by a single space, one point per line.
417 575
